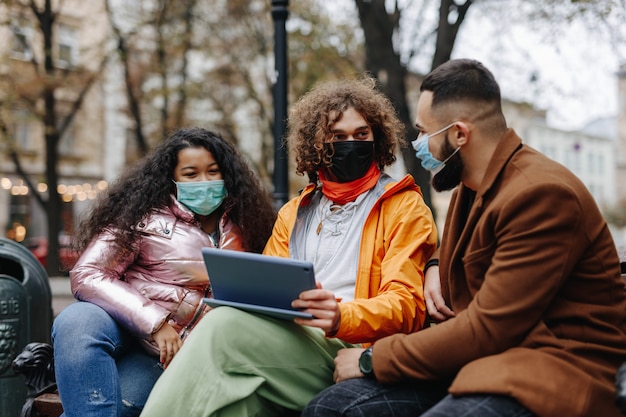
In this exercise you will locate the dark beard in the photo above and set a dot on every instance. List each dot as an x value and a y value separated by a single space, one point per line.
450 176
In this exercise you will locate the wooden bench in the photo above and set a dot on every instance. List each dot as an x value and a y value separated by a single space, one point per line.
48 405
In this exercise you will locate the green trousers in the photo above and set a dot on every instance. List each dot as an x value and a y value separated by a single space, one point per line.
236 364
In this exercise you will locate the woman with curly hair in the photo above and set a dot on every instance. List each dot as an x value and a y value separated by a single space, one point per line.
368 237
140 278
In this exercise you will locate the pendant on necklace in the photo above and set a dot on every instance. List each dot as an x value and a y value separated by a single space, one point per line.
319 228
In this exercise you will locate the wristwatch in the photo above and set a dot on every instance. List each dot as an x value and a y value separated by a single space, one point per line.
365 363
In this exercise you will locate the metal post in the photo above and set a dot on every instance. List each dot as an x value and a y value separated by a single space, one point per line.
281 178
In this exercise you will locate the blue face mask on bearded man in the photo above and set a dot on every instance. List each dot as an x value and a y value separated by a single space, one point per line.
446 173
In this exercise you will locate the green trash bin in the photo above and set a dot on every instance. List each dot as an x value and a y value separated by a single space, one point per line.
25 316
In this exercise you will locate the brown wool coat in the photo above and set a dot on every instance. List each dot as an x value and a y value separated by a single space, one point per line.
534 279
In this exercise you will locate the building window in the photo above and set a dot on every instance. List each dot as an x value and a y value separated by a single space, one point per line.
23 130
19 216
591 162
67 46
67 141
576 166
601 164
21 41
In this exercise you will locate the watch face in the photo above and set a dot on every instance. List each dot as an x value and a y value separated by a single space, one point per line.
365 362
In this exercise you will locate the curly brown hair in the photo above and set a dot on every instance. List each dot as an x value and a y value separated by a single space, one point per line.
311 120
147 185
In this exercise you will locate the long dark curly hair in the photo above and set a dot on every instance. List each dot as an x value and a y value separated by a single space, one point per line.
148 185
311 120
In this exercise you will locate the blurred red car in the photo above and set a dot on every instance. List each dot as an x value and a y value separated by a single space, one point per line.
39 247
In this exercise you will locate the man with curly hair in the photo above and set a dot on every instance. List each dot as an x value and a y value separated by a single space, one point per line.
368 236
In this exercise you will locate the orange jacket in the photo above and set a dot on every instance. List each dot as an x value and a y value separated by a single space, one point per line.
398 237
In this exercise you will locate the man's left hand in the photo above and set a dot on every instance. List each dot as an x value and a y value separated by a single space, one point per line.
347 364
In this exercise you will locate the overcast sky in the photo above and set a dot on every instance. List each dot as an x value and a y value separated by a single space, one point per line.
567 68
573 64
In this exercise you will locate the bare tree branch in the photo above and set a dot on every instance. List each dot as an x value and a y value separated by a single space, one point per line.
27 46
24 175
447 31
4 131
186 46
134 105
77 104
162 65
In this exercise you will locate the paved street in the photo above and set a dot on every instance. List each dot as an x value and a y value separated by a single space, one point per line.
61 294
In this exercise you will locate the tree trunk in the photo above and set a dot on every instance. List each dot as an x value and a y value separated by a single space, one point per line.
187 44
132 90
448 30
384 63
52 178
161 63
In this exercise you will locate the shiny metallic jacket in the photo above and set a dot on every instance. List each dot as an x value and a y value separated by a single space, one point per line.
164 278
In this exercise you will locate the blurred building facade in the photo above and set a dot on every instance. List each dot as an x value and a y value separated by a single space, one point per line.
80 35
94 148
589 153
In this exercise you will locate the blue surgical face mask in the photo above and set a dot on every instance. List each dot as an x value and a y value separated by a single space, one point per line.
429 162
201 197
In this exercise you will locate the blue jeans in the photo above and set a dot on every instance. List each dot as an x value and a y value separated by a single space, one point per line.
362 397
101 370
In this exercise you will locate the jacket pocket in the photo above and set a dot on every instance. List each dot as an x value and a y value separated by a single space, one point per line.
475 264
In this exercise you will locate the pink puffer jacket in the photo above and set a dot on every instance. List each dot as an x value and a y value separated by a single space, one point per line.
163 279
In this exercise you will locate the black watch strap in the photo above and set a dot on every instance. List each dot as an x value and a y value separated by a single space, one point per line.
431 262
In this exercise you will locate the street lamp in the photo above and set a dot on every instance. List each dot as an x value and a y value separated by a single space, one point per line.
281 179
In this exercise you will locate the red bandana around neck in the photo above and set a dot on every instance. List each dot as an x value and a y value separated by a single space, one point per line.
345 192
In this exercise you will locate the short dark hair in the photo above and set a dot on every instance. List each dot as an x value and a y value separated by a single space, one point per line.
461 79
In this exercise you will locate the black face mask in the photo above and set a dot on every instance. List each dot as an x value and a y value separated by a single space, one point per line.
450 175
352 159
